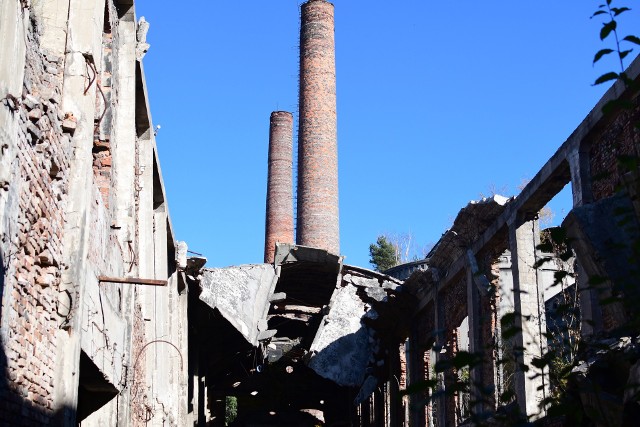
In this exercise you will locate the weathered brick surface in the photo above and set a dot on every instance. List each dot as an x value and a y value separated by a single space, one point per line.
610 142
31 293
279 217
317 198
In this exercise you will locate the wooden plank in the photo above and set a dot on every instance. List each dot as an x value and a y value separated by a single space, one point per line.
132 280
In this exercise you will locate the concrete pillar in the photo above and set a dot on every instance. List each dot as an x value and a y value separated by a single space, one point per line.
440 342
476 345
279 216
580 176
528 301
123 143
51 16
13 23
393 398
318 220
415 371
590 315
84 37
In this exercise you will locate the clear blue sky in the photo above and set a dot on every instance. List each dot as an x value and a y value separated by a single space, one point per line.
438 103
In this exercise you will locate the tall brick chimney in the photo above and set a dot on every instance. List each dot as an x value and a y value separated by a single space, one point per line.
279 218
318 222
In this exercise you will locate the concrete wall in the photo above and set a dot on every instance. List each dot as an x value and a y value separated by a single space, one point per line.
81 197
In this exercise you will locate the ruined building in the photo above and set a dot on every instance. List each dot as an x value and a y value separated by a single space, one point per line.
104 320
93 315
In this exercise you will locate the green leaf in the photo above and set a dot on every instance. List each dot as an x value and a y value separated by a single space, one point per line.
508 319
559 275
600 12
559 235
624 53
510 332
601 53
613 106
607 28
539 362
605 78
464 358
419 387
507 396
632 39
618 10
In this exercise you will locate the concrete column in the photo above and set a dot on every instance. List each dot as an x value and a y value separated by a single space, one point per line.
144 180
393 396
528 301
51 16
13 23
440 342
123 144
590 314
580 176
476 345
415 371
84 37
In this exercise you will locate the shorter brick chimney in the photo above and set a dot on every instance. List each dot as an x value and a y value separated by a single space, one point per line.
279 216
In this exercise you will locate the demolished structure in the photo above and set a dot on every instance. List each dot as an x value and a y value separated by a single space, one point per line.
105 320
93 315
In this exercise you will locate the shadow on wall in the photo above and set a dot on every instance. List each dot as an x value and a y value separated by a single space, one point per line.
16 397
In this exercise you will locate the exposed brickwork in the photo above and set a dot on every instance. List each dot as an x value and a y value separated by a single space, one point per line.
279 217
454 301
424 322
618 138
317 198
31 294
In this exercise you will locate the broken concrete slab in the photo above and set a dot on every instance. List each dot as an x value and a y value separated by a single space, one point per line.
341 348
241 294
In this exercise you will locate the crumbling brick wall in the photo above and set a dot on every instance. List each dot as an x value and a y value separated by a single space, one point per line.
611 142
31 300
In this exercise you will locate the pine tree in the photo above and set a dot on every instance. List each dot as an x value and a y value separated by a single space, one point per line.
383 254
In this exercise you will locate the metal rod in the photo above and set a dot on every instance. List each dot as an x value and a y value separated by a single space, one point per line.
133 280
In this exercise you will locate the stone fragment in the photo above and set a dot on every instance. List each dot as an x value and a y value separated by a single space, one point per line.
31 102
34 131
35 114
69 125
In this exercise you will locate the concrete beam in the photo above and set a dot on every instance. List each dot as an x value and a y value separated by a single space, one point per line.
564 166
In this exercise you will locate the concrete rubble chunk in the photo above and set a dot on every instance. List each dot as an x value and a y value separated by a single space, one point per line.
279 296
265 335
377 294
341 347
181 255
241 294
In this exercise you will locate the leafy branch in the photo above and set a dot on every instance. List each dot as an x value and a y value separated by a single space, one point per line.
610 27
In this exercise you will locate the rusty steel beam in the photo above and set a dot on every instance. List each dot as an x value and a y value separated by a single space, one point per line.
132 280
